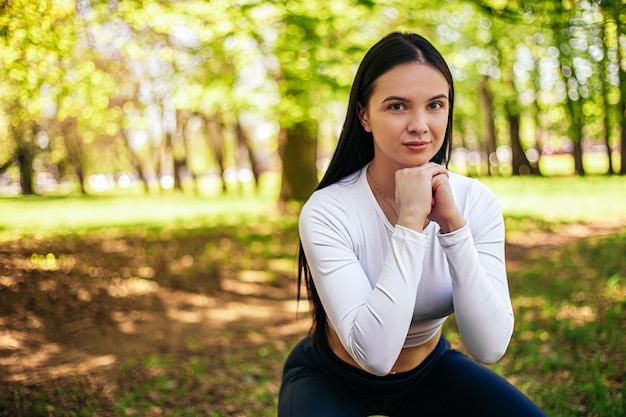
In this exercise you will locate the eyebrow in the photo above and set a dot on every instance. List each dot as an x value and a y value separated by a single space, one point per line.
399 98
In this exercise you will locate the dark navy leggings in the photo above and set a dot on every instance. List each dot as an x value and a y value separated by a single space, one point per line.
316 383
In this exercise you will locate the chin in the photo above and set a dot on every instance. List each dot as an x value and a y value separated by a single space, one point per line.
417 162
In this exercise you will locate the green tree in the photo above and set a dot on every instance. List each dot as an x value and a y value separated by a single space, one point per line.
614 21
316 48
577 30
208 50
35 40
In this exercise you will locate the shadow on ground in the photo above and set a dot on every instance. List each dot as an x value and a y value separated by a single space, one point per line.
86 319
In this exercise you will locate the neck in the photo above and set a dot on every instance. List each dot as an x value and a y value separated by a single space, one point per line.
381 196
384 180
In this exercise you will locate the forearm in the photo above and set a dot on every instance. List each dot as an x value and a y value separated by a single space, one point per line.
452 224
370 311
375 332
480 294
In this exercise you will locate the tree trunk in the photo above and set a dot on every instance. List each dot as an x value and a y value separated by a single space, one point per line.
622 113
612 12
575 114
135 162
606 135
177 146
172 149
490 140
25 159
180 164
182 120
579 167
521 164
25 155
539 138
605 95
215 138
139 170
573 105
298 151
6 165
622 106
74 148
245 143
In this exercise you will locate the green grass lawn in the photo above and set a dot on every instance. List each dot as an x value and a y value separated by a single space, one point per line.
562 199
557 199
74 262
569 347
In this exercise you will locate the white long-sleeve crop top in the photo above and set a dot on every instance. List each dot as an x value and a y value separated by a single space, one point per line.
384 287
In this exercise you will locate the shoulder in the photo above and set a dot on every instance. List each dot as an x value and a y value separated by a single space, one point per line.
464 182
475 200
331 211
337 197
471 188
478 204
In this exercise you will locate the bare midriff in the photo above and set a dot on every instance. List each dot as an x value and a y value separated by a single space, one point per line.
409 358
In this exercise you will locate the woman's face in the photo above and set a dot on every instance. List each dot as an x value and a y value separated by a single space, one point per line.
407 115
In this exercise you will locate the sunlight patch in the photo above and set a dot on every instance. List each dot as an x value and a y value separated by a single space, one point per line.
249 275
8 342
614 290
577 315
286 266
7 281
526 301
120 288
114 246
184 316
82 367
250 288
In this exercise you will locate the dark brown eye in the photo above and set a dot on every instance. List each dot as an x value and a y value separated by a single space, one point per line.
436 105
397 106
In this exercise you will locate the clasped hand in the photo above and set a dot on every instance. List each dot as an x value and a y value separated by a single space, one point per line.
424 193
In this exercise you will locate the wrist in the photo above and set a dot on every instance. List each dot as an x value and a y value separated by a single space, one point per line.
412 221
452 225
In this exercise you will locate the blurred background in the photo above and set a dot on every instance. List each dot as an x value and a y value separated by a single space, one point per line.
154 156
199 96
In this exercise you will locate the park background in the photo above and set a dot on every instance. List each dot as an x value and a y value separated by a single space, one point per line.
154 156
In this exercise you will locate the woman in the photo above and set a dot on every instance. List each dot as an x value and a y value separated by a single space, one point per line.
391 244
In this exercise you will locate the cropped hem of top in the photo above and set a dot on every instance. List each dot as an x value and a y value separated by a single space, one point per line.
385 288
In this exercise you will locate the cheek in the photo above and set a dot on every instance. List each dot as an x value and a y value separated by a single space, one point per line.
441 126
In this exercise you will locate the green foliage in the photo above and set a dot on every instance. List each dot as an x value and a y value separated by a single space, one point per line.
99 76
36 37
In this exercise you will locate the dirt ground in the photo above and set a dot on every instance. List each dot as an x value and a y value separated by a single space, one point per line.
94 302
75 307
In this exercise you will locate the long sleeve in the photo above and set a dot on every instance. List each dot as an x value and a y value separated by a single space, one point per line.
475 256
384 288
372 323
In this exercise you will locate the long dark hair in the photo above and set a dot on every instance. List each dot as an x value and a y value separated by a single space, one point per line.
355 147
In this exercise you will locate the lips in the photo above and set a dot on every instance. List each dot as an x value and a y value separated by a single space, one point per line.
417 146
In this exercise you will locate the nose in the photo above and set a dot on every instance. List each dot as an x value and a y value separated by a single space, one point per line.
418 123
